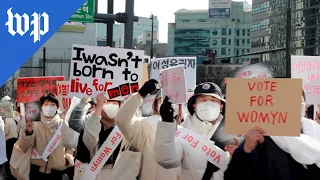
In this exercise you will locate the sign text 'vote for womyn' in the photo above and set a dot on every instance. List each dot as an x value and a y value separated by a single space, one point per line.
272 104
94 70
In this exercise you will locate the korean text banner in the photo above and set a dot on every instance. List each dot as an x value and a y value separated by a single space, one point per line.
116 72
26 25
258 70
189 63
31 89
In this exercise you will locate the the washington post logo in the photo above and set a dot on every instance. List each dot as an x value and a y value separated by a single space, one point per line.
39 22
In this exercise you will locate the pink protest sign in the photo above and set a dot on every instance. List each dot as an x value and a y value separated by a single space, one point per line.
173 84
307 68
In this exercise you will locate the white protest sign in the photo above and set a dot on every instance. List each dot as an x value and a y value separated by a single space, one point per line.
114 71
189 63
173 84
308 69
62 94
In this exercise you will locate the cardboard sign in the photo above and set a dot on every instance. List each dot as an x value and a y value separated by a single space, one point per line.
31 89
62 94
31 111
272 104
189 63
6 109
308 69
94 70
173 84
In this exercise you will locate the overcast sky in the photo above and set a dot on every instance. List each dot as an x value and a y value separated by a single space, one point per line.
164 9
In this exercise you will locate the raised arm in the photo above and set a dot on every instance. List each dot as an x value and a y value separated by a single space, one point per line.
78 116
92 128
125 117
168 152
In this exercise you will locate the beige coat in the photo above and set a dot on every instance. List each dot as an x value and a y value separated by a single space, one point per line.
60 159
131 125
11 128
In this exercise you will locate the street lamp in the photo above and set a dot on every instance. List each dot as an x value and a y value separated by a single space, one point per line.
151 46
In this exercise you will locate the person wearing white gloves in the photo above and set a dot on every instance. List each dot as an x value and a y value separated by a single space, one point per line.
205 108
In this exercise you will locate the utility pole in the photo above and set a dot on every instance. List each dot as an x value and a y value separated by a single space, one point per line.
128 28
110 24
288 39
151 45
44 61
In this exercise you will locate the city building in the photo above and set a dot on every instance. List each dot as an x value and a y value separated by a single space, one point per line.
58 50
269 30
144 24
145 38
194 33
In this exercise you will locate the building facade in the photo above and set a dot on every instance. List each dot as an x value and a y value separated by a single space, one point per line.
144 24
194 33
269 30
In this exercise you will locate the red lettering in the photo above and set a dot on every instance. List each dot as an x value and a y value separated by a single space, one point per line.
272 117
186 136
273 86
217 158
269 98
177 133
204 148
265 85
190 138
79 87
252 99
195 144
261 100
213 153
251 86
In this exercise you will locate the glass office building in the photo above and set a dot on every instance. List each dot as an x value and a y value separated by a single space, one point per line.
193 33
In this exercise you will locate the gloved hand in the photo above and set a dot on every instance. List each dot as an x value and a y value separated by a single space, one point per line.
148 87
166 110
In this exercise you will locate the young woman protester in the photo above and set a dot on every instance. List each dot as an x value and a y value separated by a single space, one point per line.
44 137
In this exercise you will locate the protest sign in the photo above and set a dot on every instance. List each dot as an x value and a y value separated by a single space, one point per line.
30 89
189 63
62 94
259 70
173 84
6 109
272 104
31 111
94 70
308 69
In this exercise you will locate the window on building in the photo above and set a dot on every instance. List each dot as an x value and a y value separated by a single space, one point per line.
248 41
243 32
238 42
238 20
230 31
243 51
237 51
243 41
223 41
229 41
248 50
232 19
223 51
224 31
248 32
238 32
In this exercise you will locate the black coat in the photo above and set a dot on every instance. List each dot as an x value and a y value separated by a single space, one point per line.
268 162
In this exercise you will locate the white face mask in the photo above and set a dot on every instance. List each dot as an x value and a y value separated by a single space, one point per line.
175 109
111 110
208 111
49 111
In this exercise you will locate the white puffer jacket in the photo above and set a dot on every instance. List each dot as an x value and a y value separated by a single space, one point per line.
171 154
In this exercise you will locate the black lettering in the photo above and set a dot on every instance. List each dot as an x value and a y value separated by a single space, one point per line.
126 72
103 60
88 72
76 72
113 93
113 58
89 58
136 61
78 55
134 77
134 87
121 61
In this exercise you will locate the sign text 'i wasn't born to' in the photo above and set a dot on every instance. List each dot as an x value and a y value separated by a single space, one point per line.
98 69
272 104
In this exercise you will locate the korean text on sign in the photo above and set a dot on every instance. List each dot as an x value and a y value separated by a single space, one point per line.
62 93
189 64
116 72
30 89
308 69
